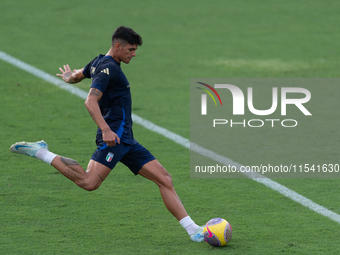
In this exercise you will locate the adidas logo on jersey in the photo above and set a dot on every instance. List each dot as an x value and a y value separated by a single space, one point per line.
106 70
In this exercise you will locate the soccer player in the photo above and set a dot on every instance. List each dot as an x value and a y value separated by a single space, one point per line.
109 104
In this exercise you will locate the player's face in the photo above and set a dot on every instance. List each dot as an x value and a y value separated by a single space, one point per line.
127 52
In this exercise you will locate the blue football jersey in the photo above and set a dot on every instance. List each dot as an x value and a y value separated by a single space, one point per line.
115 104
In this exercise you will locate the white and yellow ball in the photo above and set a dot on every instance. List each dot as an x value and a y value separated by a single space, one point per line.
217 232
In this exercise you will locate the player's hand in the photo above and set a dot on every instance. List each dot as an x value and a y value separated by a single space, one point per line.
110 138
66 73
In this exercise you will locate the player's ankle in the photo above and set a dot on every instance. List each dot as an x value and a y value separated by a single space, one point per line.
45 155
189 225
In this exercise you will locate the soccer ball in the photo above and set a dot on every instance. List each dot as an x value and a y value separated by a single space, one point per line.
217 232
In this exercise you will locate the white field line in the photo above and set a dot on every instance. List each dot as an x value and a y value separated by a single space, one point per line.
180 140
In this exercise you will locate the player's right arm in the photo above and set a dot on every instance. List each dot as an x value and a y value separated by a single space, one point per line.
69 76
91 103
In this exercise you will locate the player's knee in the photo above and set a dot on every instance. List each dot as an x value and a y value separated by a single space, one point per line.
89 185
167 180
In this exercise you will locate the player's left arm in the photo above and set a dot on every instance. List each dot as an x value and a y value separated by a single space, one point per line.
69 76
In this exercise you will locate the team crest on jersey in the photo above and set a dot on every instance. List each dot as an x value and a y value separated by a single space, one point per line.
109 157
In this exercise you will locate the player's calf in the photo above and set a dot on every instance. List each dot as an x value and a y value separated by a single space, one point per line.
89 180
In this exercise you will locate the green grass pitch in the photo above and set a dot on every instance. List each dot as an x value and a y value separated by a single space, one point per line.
42 212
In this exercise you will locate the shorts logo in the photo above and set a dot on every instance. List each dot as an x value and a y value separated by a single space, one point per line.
109 157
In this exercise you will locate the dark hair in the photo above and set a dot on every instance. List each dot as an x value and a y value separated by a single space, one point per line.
127 34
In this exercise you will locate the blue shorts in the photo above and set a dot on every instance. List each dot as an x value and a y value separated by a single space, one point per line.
134 156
